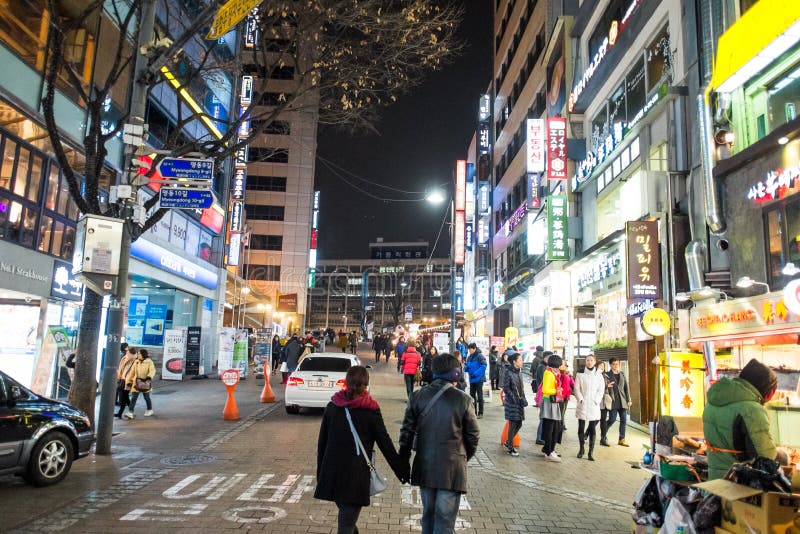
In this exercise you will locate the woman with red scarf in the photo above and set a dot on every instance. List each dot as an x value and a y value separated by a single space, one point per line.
342 472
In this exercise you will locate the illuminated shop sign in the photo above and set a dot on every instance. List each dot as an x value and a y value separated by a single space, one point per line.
535 145
241 156
484 108
246 95
244 126
760 314
602 268
237 188
236 215
537 235
234 249
534 192
557 242
639 307
517 217
459 293
556 148
484 141
776 185
482 293
64 284
643 259
469 236
458 243
153 254
613 33
483 231
484 192
461 185
251 31
499 294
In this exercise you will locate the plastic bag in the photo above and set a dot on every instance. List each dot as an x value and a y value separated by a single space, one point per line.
708 514
677 516
647 500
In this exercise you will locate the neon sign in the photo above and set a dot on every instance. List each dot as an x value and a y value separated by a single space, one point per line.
777 184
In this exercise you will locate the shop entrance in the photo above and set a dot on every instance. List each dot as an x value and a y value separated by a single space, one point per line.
19 326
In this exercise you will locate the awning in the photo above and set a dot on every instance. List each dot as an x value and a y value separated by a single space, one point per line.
783 336
766 30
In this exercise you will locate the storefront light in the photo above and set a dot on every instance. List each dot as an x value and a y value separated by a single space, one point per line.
790 269
745 282
783 140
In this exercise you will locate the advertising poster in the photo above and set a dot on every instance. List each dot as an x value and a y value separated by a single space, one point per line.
193 344
240 346
137 308
441 340
174 354
155 319
227 337
262 351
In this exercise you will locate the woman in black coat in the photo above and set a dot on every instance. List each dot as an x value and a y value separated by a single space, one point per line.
494 370
343 477
515 401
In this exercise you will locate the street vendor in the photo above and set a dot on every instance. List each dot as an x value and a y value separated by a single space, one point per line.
735 422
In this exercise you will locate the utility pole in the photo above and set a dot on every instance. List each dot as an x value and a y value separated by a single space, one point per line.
149 59
116 309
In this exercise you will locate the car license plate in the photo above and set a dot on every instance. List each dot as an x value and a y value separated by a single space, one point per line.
320 384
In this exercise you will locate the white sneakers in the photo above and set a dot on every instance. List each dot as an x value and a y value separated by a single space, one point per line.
128 415
148 413
552 457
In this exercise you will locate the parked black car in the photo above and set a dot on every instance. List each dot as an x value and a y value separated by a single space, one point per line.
39 437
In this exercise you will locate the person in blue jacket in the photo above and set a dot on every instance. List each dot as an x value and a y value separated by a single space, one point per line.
461 347
476 368
399 349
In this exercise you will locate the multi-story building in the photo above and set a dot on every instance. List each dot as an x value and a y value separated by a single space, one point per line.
38 216
398 285
279 191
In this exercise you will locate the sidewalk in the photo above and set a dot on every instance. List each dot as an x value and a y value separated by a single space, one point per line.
188 468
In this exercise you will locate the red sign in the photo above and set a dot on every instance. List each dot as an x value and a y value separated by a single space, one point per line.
212 219
459 240
287 302
313 238
229 377
556 148
535 145
461 185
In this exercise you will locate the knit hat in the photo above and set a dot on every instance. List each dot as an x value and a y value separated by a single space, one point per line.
760 376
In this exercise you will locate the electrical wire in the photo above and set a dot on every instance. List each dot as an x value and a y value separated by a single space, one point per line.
357 177
364 191
436 242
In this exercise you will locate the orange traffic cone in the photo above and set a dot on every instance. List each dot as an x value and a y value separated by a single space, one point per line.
504 436
266 394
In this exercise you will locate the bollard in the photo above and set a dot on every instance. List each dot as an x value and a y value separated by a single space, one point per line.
230 378
266 394
504 436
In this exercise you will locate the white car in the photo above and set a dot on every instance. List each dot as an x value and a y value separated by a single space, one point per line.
316 379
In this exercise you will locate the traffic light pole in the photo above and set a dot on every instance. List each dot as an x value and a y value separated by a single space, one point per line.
115 319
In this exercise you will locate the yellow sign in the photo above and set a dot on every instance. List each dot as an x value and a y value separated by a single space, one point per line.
229 16
681 384
511 336
768 23
656 322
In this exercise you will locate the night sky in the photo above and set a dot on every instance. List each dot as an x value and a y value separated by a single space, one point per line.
420 137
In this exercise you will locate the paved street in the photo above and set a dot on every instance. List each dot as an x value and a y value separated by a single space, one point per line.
187 469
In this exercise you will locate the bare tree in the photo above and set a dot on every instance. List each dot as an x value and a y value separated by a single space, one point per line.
341 60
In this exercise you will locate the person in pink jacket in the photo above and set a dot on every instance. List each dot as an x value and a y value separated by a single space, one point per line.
567 385
410 364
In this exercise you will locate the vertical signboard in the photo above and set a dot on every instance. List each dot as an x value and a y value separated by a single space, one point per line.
534 145
240 351
557 243
174 353
534 192
469 236
193 336
557 148
643 256
484 192
459 229
484 139
461 185
459 294
484 107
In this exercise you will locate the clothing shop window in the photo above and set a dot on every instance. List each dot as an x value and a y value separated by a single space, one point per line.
45 233
7 164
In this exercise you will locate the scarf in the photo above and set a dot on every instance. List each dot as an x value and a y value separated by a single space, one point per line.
364 401
453 375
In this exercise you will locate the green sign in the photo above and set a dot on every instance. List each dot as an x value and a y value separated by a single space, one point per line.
240 348
557 243
312 278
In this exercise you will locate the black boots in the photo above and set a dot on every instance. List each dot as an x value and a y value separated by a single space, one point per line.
581 439
591 449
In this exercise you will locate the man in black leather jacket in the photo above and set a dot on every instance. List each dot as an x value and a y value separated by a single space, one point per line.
446 438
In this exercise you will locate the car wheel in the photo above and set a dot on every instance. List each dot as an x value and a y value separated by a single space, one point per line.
50 460
292 409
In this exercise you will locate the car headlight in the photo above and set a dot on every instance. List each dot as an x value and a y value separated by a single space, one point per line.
86 421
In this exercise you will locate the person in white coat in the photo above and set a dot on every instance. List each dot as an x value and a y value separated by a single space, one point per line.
590 386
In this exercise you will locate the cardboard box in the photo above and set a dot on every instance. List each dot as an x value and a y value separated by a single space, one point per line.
747 510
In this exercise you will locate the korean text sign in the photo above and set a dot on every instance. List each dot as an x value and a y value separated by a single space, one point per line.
557 242
643 259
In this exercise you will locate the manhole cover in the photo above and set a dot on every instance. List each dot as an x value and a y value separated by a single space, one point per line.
189 459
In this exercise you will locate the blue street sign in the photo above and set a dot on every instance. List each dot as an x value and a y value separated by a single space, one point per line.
187 168
185 199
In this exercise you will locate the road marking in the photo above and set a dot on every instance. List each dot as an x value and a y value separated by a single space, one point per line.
159 511
206 490
280 490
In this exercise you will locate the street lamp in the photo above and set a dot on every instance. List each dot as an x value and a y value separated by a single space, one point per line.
437 197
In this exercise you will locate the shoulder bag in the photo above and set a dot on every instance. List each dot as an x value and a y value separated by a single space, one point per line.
428 409
377 484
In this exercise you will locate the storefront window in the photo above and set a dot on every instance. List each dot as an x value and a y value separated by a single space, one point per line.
659 67
7 165
775 242
783 97
28 233
63 197
21 176
23 27
637 94
68 243
45 233
58 235
52 189
5 209
599 129
35 181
